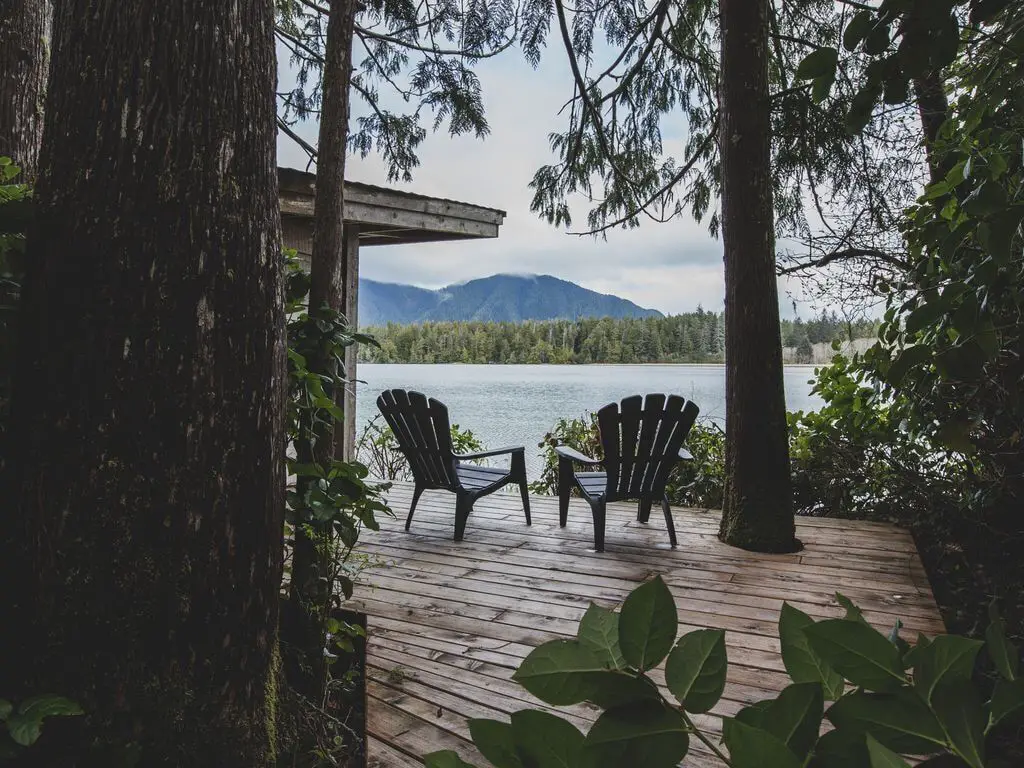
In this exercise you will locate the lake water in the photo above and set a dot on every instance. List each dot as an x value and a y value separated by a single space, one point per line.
508 405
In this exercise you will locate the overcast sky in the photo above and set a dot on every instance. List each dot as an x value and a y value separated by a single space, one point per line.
672 267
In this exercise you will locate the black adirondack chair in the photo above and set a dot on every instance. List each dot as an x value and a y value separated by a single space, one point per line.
424 434
642 439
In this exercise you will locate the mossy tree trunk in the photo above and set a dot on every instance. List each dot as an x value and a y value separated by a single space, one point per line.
309 592
148 400
24 64
758 505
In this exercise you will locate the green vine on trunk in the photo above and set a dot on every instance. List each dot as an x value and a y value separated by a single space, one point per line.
328 503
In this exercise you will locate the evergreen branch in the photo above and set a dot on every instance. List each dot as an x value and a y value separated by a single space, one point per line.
845 254
464 53
676 178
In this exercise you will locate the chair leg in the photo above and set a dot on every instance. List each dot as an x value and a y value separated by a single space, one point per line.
463 506
598 509
644 509
668 521
412 507
564 489
524 491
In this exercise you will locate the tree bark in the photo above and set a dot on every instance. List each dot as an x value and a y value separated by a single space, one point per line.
24 64
149 395
309 593
758 511
933 107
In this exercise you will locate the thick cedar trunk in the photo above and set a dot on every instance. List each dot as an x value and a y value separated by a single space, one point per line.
24 63
309 592
758 510
149 396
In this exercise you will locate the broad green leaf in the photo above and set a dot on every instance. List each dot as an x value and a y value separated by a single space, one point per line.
1007 701
938 189
1003 653
987 199
880 756
696 667
896 90
910 657
802 663
909 357
545 740
5 708
841 749
559 672
794 717
900 720
858 29
599 631
947 658
751 747
648 624
958 708
494 740
616 688
986 10
858 652
819 63
877 40
650 735
822 86
956 435
445 759
24 730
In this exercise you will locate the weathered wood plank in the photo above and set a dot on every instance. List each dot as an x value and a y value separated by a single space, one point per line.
450 621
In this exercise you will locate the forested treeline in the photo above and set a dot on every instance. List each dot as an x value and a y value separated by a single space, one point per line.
692 337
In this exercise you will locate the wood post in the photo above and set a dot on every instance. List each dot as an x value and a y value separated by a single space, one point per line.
345 443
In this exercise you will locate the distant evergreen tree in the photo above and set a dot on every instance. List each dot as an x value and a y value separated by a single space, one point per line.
694 337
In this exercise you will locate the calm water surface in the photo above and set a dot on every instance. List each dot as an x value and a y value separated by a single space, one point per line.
508 405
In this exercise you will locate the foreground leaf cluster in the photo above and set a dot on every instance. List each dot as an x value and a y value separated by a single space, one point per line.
883 697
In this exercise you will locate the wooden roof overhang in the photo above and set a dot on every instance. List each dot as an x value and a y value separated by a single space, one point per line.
383 216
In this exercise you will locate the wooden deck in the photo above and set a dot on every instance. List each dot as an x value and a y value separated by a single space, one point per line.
449 622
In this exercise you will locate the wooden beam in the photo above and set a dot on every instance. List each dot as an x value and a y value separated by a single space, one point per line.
445 218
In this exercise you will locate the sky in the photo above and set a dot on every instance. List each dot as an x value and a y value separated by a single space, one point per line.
672 267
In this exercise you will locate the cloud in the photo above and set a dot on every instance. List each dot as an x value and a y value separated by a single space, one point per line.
670 266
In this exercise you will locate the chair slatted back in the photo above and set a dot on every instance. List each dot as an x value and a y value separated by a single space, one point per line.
641 438
423 431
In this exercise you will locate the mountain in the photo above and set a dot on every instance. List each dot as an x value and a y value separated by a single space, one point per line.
497 298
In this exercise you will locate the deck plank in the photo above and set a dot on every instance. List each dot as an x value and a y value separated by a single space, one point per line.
450 621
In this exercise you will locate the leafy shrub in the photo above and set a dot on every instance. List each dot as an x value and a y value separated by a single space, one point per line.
855 457
378 449
884 697
23 724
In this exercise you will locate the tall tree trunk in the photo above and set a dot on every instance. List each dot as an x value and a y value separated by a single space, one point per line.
24 63
933 107
309 594
929 93
148 402
758 510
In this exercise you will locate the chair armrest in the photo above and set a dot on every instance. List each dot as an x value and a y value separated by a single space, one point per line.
685 455
485 454
571 453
